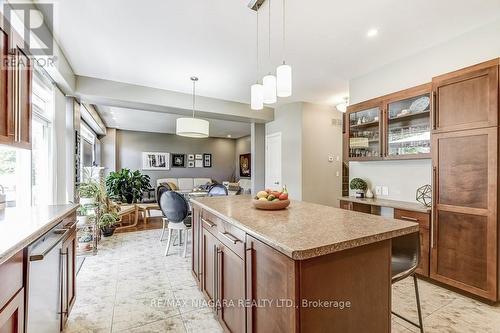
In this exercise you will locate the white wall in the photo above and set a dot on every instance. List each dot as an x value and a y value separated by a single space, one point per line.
403 177
288 121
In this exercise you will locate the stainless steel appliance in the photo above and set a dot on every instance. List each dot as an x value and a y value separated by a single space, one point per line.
44 281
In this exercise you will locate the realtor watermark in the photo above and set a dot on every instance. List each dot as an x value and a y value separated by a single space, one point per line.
34 25
260 303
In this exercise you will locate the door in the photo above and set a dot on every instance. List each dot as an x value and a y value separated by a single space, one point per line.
209 263
271 277
273 161
231 290
466 99
464 229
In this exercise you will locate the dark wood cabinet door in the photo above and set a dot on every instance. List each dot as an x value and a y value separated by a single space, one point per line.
466 99
271 276
196 248
12 315
209 263
231 290
464 235
6 121
68 253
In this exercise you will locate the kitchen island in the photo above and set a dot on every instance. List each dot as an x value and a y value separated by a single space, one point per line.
309 268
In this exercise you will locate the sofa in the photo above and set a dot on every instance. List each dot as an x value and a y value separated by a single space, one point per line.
184 185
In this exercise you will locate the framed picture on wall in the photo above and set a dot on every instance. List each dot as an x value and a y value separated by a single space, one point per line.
190 157
207 160
198 163
178 161
190 164
245 165
198 156
155 161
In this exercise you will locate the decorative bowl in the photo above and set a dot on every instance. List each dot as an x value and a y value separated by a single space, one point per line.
271 205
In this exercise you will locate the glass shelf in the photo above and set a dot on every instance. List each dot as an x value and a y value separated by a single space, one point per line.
364 133
408 130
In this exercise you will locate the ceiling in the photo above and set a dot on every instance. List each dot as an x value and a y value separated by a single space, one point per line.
160 122
161 43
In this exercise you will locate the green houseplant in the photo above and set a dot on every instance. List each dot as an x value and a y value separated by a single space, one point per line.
359 185
89 192
107 223
127 186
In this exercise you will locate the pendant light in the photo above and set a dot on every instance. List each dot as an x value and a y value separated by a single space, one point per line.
284 71
257 90
192 127
269 81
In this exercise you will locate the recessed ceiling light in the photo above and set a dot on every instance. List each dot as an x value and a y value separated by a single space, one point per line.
229 135
372 33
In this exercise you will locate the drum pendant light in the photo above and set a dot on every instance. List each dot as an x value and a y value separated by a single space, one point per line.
192 127
256 90
269 81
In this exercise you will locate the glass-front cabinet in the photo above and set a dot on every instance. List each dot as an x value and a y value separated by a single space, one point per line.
395 126
364 134
408 127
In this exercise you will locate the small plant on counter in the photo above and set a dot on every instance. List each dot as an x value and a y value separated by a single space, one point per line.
127 186
88 192
359 185
107 223
82 215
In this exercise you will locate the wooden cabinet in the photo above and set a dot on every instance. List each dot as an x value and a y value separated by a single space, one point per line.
423 219
68 281
467 98
209 264
231 290
270 276
12 315
394 126
465 229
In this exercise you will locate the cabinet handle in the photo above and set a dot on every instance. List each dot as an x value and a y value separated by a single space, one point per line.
435 110
408 218
433 212
216 275
14 101
219 278
209 223
18 104
249 289
229 237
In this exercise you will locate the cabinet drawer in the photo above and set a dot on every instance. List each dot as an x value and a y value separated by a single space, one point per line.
232 237
423 219
209 222
11 277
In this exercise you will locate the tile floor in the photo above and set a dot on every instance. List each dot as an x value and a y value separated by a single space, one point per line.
131 287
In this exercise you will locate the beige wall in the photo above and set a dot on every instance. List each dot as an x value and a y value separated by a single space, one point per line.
321 141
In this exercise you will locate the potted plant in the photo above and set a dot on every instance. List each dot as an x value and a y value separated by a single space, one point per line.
359 185
88 192
127 186
81 215
107 224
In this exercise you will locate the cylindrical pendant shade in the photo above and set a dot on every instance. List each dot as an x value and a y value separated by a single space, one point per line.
192 127
269 83
256 97
284 81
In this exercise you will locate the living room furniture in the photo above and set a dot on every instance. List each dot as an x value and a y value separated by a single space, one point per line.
184 185
405 252
176 210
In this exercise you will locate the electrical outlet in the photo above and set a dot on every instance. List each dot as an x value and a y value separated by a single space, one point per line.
338 158
378 190
337 174
385 190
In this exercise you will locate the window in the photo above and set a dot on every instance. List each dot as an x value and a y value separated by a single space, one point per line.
41 154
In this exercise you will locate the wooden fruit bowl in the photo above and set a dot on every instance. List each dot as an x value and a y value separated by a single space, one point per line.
271 205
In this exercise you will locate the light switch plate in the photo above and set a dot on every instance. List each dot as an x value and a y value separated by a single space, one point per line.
378 190
385 190
337 174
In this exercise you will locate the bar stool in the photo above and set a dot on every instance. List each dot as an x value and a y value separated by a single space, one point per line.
161 189
404 261
175 208
217 190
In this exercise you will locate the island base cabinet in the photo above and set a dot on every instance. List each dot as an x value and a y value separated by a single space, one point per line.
12 315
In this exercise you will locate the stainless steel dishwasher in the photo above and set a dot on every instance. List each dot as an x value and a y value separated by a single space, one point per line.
44 281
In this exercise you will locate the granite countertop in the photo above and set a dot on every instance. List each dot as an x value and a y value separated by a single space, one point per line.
305 230
20 226
413 206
